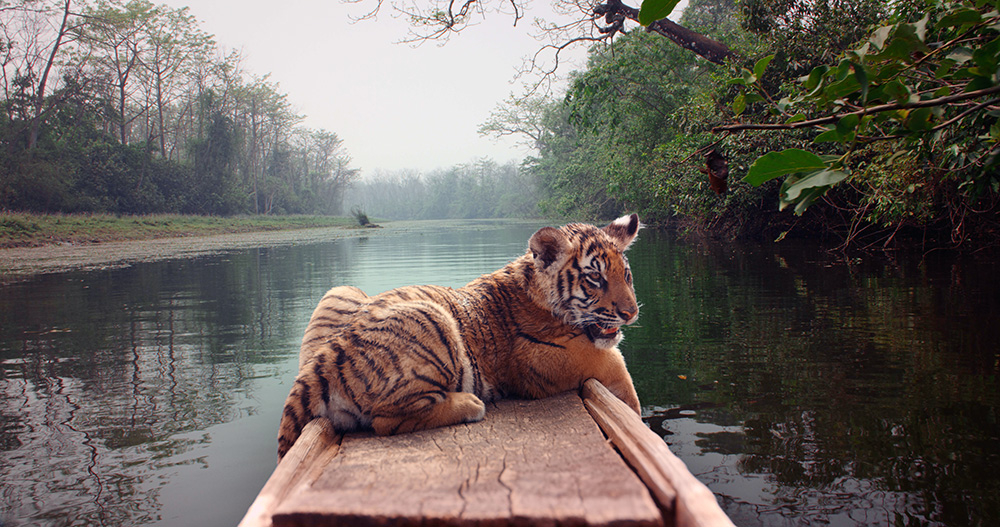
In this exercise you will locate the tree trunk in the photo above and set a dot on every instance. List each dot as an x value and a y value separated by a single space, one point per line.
36 119
158 73
122 129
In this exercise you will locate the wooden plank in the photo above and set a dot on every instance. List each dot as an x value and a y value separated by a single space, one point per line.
528 463
673 486
314 449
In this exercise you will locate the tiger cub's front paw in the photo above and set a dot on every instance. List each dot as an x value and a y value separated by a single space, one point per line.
471 408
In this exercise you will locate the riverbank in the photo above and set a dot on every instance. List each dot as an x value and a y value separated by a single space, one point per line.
20 262
19 230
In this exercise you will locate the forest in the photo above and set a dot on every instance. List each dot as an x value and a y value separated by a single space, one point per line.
868 124
132 108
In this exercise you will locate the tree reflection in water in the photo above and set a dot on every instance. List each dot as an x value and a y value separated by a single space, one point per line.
827 393
109 380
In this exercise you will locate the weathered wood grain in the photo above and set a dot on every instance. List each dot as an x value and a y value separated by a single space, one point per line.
528 463
674 487
317 445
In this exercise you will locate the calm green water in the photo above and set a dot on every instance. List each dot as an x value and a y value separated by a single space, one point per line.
802 390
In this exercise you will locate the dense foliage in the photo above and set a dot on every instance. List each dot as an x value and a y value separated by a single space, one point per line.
629 133
913 113
129 107
852 88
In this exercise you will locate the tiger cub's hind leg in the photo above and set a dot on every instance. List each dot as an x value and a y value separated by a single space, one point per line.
333 313
430 411
426 376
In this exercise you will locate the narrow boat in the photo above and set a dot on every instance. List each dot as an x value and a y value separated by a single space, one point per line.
573 459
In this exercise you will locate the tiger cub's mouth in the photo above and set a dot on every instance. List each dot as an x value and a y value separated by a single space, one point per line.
596 332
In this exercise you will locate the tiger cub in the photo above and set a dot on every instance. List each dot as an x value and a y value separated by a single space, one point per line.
421 357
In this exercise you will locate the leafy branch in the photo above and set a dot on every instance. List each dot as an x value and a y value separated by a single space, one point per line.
830 119
928 85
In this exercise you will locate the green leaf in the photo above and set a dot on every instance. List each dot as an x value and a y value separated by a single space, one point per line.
796 118
812 81
843 70
808 198
861 76
959 17
652 10
819 178
776 164
960 55
905 40
888 72
845 130
943 68
848 124
920 28
840 89
829 136
865 121
986 57
739 104
919 120
978 82
859 54
761 65
897 90
880 35
783 104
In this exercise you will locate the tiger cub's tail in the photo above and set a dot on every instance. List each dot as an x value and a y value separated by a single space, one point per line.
294 417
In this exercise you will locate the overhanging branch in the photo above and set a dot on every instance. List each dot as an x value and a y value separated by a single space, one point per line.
830 119
615 13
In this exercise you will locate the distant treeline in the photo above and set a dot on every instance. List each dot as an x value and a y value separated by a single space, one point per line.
483 189
131 108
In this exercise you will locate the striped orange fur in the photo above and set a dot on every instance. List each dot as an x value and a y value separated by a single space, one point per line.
421 357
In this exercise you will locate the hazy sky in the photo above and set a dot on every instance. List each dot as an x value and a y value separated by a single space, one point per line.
395 106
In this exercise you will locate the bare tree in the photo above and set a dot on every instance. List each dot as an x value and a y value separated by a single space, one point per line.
174 46
518 116
34 38
116 35
61 36
582 22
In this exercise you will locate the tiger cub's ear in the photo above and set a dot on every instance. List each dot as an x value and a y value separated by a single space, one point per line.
623 230
548 246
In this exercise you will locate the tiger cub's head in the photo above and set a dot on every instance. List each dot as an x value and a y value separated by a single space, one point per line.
582 276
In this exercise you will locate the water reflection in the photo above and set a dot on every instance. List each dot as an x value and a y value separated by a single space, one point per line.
804 391
831 393
104 373
150 394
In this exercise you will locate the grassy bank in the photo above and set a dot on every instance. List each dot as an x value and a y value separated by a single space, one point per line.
35 230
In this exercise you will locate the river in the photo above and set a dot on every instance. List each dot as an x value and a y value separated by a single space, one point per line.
802 388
